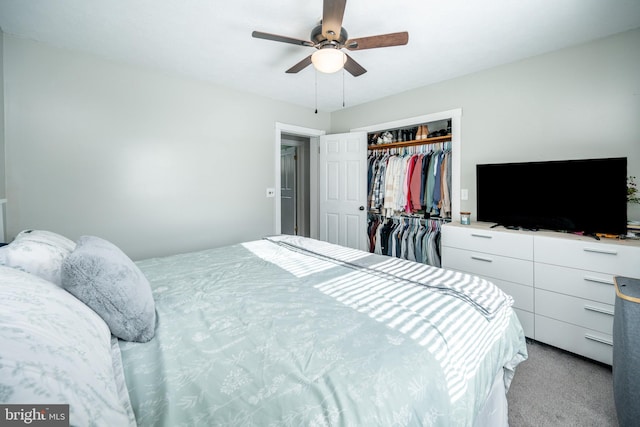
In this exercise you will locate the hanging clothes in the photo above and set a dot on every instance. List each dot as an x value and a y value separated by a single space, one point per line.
402 184
410 182
410 238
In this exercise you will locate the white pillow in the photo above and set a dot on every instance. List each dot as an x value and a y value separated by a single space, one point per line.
56 350
38 252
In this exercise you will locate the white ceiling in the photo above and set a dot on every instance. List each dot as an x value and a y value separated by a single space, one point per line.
211 39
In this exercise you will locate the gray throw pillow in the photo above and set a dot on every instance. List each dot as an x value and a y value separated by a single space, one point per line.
99 274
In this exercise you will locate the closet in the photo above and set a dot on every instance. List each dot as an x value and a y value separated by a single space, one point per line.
409 177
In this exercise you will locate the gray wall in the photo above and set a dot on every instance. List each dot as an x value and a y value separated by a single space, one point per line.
2 166
160 164
579 102
155 163
2 162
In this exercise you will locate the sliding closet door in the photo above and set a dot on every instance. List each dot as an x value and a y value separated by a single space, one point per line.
343 189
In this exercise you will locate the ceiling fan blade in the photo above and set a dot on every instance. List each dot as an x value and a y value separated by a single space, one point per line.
332 14
300 65
277 38
383 40
353 67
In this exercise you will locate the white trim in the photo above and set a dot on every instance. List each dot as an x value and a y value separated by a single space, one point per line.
442 115
313 134
2 202
456 146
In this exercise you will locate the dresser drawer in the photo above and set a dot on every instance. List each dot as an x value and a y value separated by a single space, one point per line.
577 311
592 344
515 245
620 260
570 281
522 294
488 265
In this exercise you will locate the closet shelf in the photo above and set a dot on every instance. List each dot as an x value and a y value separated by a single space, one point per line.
433 140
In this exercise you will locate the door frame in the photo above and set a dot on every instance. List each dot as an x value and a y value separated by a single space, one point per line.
314 143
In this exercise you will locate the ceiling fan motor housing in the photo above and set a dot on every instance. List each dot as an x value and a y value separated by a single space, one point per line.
319 39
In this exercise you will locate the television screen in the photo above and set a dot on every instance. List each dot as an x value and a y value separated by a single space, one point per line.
587 196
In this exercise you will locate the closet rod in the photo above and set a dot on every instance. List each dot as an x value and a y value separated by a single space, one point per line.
434 140
433 218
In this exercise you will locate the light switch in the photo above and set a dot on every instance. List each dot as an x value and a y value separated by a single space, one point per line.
464 194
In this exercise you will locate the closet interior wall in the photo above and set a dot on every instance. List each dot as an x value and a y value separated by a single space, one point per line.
409 191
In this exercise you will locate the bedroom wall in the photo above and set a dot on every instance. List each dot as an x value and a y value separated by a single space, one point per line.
578 102
2 162
162 164
2 167
155 163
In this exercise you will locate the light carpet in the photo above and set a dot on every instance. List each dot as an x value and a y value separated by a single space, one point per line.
556 388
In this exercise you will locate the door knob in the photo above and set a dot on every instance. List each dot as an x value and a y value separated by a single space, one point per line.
361 208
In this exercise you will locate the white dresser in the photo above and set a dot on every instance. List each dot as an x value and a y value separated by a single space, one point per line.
562 284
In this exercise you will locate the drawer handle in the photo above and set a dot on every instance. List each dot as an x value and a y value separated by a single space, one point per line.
598 280
598 310
601 251
598 339
479 258
484 236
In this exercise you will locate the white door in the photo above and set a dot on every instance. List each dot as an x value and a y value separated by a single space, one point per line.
343 189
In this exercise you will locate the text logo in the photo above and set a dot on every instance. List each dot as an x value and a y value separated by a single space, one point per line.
34 415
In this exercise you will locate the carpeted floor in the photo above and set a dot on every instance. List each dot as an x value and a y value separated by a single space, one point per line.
556 388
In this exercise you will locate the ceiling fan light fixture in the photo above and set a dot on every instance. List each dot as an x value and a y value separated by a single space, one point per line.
328 59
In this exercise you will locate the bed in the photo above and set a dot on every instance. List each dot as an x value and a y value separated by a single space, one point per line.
280 331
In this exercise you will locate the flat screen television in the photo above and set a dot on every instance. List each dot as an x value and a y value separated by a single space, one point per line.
587 195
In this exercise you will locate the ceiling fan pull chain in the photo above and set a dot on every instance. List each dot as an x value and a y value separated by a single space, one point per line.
316 77
343 88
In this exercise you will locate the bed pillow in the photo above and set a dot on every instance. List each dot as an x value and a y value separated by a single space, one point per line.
99 274
56 350
38 252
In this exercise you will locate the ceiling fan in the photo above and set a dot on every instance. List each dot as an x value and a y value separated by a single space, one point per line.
329 38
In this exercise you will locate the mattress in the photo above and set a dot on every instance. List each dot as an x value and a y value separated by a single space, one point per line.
290 331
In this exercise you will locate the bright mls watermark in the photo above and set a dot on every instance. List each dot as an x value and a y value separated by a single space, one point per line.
34 415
